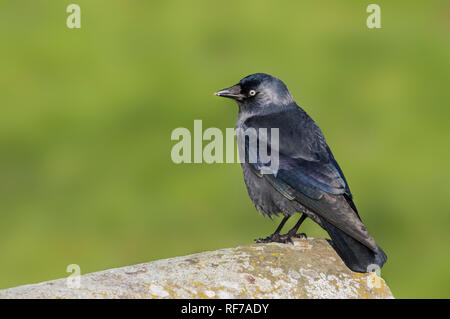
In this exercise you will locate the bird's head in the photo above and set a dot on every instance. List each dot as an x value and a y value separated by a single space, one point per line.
258 90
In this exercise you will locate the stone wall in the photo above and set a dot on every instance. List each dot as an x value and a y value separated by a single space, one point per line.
309 268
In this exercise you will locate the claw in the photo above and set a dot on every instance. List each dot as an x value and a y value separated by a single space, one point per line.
268 239
276 238
288 239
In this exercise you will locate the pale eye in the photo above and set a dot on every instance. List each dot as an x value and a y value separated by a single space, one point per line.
252 93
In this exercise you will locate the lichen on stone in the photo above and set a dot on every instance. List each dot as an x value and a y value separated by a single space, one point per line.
309 268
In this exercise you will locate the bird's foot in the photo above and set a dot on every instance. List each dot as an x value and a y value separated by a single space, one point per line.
276 238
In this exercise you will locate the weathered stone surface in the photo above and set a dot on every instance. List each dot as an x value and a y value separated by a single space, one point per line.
308 269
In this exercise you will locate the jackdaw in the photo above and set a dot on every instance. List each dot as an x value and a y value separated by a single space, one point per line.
307 179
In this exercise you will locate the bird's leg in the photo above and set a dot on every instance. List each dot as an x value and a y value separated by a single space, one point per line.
275 237
293 231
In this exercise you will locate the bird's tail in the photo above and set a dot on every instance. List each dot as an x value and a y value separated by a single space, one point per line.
355 255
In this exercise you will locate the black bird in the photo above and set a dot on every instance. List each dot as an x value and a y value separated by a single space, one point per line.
308 179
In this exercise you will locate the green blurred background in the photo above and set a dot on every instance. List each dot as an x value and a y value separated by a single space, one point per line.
86 117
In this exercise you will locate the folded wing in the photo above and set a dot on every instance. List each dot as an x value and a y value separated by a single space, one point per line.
307 171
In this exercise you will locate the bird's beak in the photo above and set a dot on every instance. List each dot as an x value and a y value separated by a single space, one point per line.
233 92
